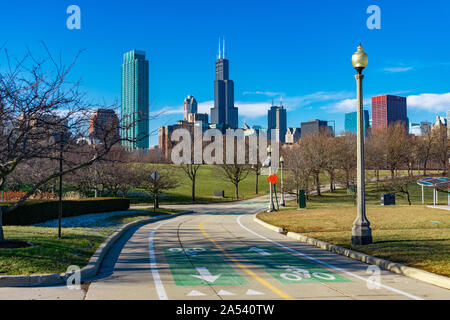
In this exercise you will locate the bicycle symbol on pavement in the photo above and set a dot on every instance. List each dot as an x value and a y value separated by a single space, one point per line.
298 274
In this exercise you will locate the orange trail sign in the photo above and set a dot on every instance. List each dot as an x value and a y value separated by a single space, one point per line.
272 179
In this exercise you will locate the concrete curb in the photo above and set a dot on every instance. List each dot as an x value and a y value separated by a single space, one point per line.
267 225
425 276
90 270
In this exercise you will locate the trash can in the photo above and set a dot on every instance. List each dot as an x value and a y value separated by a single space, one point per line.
301 199
388 199
351 190
219 193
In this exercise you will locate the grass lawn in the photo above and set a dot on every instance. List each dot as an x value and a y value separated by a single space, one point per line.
401 233
50 255
206 182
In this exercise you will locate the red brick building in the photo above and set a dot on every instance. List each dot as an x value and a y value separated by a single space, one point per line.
104 123
388 109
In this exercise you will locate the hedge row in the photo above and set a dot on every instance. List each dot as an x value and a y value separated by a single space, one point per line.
33 211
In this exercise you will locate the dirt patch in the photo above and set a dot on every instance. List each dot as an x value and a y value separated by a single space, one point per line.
13 244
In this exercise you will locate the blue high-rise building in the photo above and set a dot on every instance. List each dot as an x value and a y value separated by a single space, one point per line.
135 101
224 114
351 122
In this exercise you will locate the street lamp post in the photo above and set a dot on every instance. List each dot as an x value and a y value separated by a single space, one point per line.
361 231
283 204
60 207
271 206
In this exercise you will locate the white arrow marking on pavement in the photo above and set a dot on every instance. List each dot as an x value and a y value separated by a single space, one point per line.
225 293
251 292
205 274
260 251
194 293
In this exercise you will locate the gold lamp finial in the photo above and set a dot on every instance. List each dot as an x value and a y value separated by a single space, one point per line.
360 58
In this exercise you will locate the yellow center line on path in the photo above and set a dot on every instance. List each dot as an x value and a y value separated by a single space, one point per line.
240 265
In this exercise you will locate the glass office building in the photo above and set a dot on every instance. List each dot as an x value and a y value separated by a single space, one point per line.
135 101
351 122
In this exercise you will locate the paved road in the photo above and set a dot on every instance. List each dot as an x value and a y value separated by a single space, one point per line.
220 253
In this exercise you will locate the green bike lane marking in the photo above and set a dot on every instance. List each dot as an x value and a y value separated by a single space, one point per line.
203 267
286 267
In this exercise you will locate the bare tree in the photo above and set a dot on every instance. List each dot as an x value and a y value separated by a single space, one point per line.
299 173
314 151
440 147
166 180
191 171
401 185
234 173
395 142
257 169
345 150
43 116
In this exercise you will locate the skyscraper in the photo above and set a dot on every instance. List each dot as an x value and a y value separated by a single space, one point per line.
351 122
276 119
388 110
224 113
190 106
135 101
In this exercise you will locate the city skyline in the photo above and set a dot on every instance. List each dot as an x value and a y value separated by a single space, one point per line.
313 74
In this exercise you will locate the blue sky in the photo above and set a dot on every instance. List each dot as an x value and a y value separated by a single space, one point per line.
300 50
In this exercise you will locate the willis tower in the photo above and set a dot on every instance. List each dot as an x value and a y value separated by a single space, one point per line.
224 114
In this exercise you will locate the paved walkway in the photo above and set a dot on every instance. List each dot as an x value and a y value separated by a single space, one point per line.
440 207
220 253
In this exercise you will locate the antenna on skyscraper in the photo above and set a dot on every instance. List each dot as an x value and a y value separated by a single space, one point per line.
219 48
281 101
223 54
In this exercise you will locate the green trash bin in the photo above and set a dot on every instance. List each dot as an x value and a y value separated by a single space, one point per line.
301 199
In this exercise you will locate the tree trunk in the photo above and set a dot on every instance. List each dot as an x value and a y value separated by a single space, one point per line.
318 184
256 186
193 190
347 179
236 190
1 225
54 189
332 184
157 201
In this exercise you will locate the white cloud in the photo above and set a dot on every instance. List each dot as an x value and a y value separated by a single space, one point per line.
205 107
433 102
167 111
346 105
397 69
263 93
252 109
